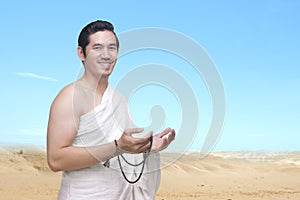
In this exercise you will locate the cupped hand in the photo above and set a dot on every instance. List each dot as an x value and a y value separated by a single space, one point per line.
163 139
130 144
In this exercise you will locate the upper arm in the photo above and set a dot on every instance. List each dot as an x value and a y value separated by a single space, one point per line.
63 122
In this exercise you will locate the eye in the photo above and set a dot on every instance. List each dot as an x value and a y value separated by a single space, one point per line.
112 48
97 48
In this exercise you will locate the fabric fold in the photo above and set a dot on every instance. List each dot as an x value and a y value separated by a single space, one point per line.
105 123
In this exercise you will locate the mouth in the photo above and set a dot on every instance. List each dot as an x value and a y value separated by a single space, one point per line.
105 64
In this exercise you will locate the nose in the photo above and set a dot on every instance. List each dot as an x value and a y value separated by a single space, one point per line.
105 54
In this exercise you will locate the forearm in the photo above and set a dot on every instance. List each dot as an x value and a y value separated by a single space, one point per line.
72 157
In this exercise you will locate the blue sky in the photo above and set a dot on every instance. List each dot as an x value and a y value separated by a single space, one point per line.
254 45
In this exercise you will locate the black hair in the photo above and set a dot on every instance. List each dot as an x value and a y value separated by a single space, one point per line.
91 28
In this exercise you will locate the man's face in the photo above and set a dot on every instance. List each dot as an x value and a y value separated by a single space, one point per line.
101 54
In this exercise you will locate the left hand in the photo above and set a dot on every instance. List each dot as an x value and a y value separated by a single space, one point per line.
160 142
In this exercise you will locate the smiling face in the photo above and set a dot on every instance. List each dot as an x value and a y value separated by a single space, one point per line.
101 54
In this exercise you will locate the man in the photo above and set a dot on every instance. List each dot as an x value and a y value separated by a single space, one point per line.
90 127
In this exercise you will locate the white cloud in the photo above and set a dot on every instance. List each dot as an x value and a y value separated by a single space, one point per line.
32 75
36 132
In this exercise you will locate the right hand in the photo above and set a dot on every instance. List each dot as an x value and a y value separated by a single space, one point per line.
130 144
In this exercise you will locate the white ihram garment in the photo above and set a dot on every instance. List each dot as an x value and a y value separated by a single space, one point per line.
105 123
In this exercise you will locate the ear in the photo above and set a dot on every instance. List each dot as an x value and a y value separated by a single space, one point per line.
80 53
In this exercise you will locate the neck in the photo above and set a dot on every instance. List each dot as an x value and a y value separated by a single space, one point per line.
98 85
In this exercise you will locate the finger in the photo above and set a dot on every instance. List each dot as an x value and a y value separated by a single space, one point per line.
167 140
171 137
165 132
133 131
173 131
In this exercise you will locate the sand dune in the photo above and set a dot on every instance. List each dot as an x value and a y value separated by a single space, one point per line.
232 175
24 175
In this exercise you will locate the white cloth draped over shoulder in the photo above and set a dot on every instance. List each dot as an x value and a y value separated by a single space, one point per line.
105 123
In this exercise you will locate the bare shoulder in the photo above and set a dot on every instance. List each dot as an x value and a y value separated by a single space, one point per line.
64 98
63 105
73 100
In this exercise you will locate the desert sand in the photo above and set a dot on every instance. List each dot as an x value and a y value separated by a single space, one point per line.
24 175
